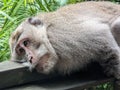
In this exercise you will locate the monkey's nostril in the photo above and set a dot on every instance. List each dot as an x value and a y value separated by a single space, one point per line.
31 59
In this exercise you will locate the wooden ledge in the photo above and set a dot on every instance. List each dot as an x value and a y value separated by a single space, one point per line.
63 83
12 73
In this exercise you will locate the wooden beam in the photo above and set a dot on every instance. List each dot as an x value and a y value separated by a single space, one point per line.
12 73
73 82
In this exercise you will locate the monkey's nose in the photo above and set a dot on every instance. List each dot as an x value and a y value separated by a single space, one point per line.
30 58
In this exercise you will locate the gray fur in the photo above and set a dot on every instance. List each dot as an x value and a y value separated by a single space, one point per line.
81 34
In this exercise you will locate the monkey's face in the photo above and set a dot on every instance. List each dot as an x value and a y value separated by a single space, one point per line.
27 44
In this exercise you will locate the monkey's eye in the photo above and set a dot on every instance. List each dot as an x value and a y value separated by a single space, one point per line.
26 43
21 50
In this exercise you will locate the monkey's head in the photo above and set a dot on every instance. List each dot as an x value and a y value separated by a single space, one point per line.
29 43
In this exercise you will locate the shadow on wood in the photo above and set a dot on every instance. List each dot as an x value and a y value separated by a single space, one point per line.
12 73
16 76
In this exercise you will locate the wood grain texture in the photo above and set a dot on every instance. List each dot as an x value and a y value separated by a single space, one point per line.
14 76
12 73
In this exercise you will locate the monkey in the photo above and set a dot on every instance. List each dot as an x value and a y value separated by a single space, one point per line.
70 38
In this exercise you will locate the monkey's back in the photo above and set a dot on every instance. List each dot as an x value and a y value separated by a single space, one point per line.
72 36
93 9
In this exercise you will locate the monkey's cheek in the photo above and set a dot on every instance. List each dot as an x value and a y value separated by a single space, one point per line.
45 68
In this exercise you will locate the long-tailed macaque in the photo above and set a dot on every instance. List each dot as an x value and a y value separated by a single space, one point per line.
70 38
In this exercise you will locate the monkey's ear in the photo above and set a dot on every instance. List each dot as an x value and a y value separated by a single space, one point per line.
35 21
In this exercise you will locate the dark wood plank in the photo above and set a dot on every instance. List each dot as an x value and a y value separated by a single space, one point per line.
117 85
12 73
63 83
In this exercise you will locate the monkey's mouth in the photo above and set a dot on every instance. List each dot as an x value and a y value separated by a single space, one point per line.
42 65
